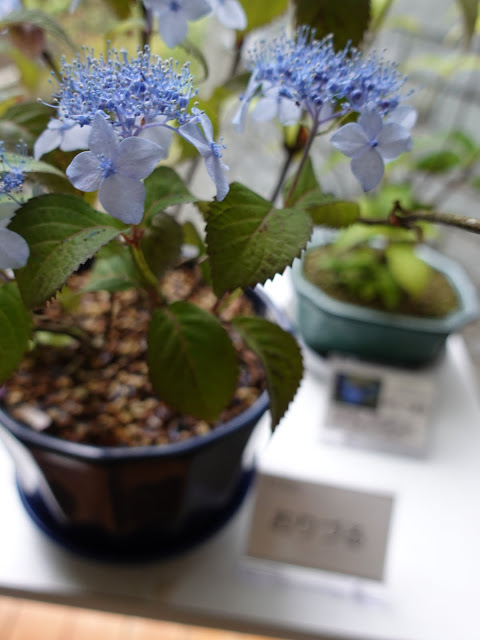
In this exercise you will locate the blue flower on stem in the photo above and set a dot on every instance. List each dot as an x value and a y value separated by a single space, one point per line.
370 143
311 74
208 149
116 169
173 17
144 99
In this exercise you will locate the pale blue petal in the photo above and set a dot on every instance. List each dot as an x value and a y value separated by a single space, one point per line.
207 126
160 135
137 158
84 172
368 169
103 140
404 115
239 118
76 137
351 140
173 27
216 168
123 198
272 105
7 209
9 6
46 141
393 140
192 134
265 109
231 14
289 112
14 250
195 9
371 122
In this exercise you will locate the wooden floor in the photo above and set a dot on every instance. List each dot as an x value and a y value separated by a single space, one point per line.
29 620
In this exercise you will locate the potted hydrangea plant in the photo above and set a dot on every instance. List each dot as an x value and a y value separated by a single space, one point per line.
135 357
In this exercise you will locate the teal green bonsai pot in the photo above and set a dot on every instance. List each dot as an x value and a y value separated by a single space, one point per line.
329 325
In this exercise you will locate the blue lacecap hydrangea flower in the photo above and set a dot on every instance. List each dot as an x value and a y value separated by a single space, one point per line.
294 76
132 105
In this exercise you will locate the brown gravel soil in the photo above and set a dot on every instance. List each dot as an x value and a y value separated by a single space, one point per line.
98 392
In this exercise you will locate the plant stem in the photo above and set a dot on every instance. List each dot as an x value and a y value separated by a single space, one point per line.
303 160
449 219
73 332
147 28
147 274
401 217
286 165
50 62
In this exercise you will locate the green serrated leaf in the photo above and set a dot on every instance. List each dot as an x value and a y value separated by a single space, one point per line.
164 188
162 243
439 161
409 271
191 359
281 358
347 20
249 241
114 270
15 327
62 231
261 13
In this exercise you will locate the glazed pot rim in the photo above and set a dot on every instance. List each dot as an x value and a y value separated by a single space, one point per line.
102 453
77 450
469 305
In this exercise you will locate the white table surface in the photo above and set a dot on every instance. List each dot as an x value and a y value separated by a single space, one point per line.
430 590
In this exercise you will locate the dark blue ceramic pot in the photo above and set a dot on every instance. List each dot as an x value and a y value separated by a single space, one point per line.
135 501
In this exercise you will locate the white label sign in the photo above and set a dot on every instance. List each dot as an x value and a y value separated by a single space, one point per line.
320 526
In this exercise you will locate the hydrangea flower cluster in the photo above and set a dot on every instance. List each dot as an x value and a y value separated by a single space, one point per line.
14 250
125 110
145 87
303 75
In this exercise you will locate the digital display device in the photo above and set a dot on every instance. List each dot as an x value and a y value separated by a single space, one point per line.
357 390
379 407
